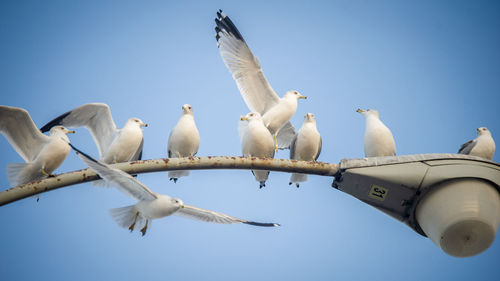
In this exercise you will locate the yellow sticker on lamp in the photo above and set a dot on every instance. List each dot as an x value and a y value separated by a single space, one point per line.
378 192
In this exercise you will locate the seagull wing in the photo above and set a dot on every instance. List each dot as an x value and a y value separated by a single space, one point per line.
293 147
96 117
211 216
123 181
245 68
467 147
21 132
138 153
319 149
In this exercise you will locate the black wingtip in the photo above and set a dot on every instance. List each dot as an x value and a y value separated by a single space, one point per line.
56 121
225 23
82 153
262 224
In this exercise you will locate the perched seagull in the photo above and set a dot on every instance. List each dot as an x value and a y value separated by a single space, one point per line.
482 146
115 145
151 205
184 140
256 141
306 146
256 91
378 138
42 153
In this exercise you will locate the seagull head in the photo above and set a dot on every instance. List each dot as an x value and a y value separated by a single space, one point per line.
60 129
483 131
187 109
309 117
294 94
251 116
368 112
137 122
177 203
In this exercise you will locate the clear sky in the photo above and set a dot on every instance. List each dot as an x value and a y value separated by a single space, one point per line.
431 68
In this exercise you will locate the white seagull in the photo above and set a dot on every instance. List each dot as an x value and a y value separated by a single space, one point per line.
306 146
151 205
256 141
115 145
378 139
42 153
256 91
482 146
184 140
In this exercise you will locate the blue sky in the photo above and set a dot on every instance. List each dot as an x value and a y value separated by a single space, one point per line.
431 68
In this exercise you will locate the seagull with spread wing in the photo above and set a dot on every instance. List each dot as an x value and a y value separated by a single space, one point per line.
115 145
42 153
482 146
258 94
151 205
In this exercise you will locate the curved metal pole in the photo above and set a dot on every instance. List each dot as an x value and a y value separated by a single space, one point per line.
168 164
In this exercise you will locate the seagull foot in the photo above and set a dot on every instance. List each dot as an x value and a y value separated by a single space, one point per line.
174 179
131 227
297 184
143 230
262 184
49 175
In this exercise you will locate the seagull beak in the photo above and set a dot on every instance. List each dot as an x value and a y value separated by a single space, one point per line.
71 132
182 206
477 130
243 118
144 125
360 110
302 97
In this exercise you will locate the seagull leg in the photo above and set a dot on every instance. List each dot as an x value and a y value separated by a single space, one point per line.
47 174
275 142
143 230
131 228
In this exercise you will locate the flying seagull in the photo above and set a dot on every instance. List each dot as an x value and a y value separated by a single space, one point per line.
306 146
378 139
115 145
151 205
258 94
482 146
42 153
256 140
184 140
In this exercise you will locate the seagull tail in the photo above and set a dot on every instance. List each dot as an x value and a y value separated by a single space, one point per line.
124 216
21 173
296 178
178 174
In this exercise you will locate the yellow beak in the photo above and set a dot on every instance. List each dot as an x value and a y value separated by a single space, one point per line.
243 118
360 110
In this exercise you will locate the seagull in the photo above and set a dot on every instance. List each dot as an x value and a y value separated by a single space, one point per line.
151 205
306 146
258 94
378 138
42 153
184 140
256 141
115 145
482 146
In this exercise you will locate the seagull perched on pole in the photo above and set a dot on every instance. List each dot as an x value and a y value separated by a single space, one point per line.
258 94
482 146
306 146
378 139
42 153
256 141
151 205
184 140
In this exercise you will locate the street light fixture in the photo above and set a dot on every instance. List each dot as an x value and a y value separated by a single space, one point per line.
453 199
